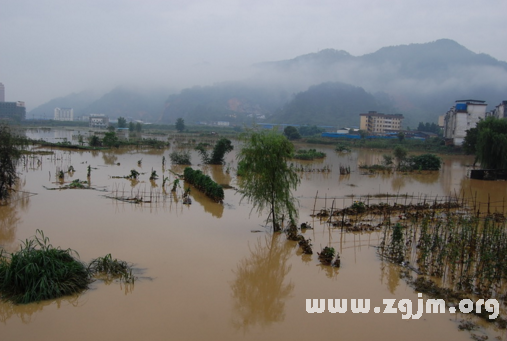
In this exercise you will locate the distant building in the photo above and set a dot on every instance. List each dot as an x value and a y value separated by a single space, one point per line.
500 110
64 114
441 121
464 115
374 122
14 111
99 121
2 93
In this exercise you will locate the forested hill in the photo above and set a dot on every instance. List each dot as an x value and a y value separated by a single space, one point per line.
236 102
420 81
334 104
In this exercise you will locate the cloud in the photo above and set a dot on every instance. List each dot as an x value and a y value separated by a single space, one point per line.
55 47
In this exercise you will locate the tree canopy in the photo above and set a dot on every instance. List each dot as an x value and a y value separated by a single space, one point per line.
291 133
222 147
180 124
122 122
267 180
491 146
9 155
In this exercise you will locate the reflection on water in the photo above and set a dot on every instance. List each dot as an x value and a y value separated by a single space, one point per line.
25 312
270 282
260 289
390 276
9 213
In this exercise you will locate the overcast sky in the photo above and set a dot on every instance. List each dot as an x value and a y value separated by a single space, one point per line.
51 48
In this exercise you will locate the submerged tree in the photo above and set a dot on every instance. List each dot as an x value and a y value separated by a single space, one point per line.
9 155
222 147
267 180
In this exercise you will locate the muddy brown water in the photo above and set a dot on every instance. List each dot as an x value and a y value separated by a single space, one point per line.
203 273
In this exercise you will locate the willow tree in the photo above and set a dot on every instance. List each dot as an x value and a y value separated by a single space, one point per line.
266 178
491 146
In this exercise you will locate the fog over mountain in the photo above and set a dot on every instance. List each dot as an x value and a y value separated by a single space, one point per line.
330 87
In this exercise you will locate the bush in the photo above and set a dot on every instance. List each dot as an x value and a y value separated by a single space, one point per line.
182 158
204 184
40 271
425 162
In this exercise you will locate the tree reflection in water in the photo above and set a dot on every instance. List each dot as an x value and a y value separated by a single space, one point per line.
259 290
9 214
25 311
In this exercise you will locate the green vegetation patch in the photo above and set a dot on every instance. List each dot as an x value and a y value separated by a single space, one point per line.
204 184
309 154
39 271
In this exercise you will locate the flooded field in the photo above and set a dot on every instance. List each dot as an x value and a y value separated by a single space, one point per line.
214 271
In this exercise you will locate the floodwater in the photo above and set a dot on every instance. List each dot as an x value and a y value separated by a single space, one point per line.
214 271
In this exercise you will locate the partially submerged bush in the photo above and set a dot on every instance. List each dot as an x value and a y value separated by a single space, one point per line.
204 183
40 271
108 269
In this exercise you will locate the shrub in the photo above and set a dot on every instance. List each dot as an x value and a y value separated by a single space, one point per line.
182 158
204 184
40 271
425 162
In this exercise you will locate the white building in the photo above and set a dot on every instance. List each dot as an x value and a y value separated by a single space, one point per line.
499 111
64 114
464 115
99 121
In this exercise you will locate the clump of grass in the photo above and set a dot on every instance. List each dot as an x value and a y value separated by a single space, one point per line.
40 271
326 255
109 269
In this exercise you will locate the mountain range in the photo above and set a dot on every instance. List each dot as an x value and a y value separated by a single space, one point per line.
330 87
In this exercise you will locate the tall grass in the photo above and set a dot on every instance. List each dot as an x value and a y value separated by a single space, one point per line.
39 271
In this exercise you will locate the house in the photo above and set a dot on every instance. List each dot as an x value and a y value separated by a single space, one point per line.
464 115
374 122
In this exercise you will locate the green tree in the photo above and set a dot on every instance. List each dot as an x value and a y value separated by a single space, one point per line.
94 141
470 141
180 124
122 122
267 179
139 127
401 136
491 147
222 147
110 139
132 127
9 155
291 133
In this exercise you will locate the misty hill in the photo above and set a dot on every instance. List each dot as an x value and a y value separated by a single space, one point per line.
134 104
130 103
421 79
335 104
77 101
234 102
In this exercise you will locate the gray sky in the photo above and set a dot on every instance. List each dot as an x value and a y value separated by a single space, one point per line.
51 48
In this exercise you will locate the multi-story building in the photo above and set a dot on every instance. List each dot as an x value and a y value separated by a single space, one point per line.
2 93
64 114
464 115
14 111
374 122
500 110
99 121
